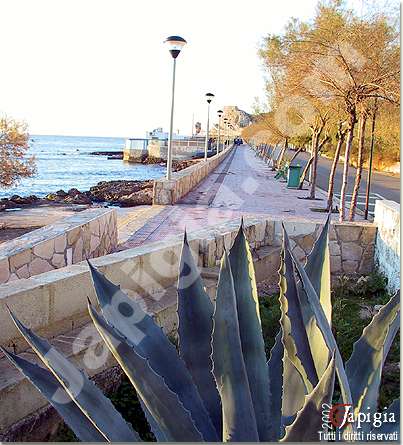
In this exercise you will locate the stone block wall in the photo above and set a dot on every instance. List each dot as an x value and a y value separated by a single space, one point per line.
387 247
87 234
351 245
182 182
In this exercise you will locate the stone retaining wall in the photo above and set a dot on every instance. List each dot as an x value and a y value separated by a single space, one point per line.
351 245
87 234
56 300
182 182
387 248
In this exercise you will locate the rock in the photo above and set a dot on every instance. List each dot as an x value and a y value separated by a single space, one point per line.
181 165
23 200
335 264
73 192
348 232
351 251
349 266
365 312
52 197
38 266
143 197
80 198
17 201
124 193
107 153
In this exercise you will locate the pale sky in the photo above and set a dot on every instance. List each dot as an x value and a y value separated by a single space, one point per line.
95 67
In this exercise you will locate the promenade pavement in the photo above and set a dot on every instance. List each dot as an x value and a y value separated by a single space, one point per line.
242 185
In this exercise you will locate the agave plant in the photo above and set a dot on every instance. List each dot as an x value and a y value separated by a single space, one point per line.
220 386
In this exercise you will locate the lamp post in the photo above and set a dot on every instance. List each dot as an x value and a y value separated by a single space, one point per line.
174 44
219 113
225 131
209 98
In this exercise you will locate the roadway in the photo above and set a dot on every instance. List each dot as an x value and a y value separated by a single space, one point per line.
383 185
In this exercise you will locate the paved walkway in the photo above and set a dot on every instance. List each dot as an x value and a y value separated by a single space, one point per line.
242 185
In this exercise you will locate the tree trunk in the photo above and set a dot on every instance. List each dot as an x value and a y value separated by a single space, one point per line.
342 135
304 173
314 165
349 144
308 164
360 162
280 158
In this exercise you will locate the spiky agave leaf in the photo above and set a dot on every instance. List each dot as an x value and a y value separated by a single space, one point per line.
318 270
239 422
154 427
326 330
275 370
173 420
309 420
250 330
290 303
97 408
296 383
149 341
54 392
293 392
364 368
195 325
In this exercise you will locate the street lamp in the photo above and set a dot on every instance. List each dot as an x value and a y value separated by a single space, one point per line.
209 98
219 112
174 44
226 131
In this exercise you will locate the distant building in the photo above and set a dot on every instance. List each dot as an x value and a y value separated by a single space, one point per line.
159 133
238 118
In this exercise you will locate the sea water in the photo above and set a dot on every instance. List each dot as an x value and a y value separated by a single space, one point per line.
64 162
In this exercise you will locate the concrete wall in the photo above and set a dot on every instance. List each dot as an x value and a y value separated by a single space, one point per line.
158 148
181 149
135 149
387 248
182 182
87 234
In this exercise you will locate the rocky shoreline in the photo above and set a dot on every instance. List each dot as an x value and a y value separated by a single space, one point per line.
124 193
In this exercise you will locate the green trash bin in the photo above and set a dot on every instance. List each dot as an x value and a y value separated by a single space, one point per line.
294 175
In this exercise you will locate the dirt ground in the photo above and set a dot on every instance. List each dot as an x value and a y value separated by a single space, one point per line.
11 233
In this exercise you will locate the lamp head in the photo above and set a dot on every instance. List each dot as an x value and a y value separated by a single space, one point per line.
219 112
209 97
175 45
